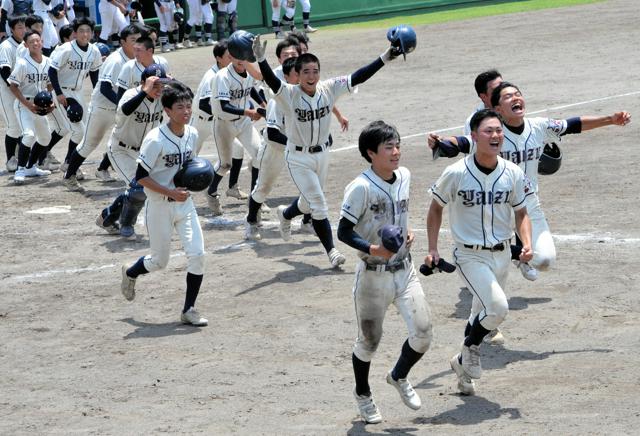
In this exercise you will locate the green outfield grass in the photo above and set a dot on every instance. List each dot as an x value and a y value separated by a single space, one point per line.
461 13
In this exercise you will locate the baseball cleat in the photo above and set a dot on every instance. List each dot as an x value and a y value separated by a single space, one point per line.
12 164
285 224
128 285
409 396
367 408
166 49
465 383
336 258
494 337
235 192
209 42
280 35
307 228
72 184
19 178
113 229
309 29
264 208
34 171
128 232
214 204
189 44
49 165
52 158
252 232
192 317
104 176
471 360
527 271
80 174
179 46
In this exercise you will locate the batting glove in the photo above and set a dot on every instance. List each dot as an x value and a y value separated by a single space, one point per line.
259 49
388 55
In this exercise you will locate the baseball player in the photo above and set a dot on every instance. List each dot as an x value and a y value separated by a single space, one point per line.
112 15
202 117
484 85
374 219
170 207
290 12
28 78
70 64
233 116
62 13
131 72
102 109
227 14
483 191
139 111
12 8
307 110
165 10
7 99
199 11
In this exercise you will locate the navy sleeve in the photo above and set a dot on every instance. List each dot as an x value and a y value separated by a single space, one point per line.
574 125
255 95
205 105
347 235
269 77
141 173
93 75
5 72
365 73
276 135
231 109
121 92
107 90
53 77
3 19
133 104
463 144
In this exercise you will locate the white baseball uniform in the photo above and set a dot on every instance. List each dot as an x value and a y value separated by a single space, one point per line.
129 132
229 8
166 20
102 111
199 12
73 65
202 121
270 155
162 154
7 99
467 123
49 34
31 77
308 122
112 19
481 220
370 203
236 89
69 16
131 73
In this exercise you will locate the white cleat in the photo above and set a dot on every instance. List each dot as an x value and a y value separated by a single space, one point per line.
367 408
252 232
236 193
80 174
128 285
34 171
214 204
192 317
494 337
18 177
409 396
471 360
309 29
307 228
527 271
465 383
12 164
188 44
209 42
104 176
336 258
179 46
285 224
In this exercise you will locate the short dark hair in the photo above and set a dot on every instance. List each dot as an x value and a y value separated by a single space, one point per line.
286 43
220 48
175 91
29 33
306 58
65 32
83 21
482 115
483 79
17 19
495 95
288 65
300 36
374 134
131 29
33 19
147 42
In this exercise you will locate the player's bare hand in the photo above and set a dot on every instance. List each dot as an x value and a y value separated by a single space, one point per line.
432 258
380 251
62 100
253 114
432 140
33 108
621 118
526 254
344 123
50 108
179 194
150 83
410 238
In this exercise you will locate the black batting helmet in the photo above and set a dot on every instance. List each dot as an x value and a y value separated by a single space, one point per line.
240 45
74 110
550 160
178 17
56 11
43 100
195 175
403 39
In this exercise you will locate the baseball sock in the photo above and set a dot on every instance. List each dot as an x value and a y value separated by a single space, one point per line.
105 164
208 28
112 212
361 373
74 163
305 19
323 230
476 333
23 155
35 154
193 287
70 150
306 219
467 329
187 30
408 358
254 177
276 26
292 211
234 172
221 24
213 187
10 145
137 268
55 138
254 208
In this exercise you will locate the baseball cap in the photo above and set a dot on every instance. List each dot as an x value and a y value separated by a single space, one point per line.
154 70
392 238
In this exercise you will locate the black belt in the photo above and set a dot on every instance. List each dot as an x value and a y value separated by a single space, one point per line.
68 89
394 267
123 145
497 247
315 148
205 118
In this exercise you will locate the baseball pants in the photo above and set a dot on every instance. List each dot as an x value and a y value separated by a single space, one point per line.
161 218
224 133
49 33
123 160
199 13
290 7
58 122
9 112
34 127
167 23
99 122
485 275
205 128
309 173
113 20
229 8
270 164
77 129
374 292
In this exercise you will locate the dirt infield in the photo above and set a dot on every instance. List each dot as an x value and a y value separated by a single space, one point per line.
76 358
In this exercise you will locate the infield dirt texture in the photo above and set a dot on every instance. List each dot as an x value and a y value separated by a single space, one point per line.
76 358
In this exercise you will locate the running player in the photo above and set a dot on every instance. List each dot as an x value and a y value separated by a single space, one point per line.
170 207
112 15
199 11
375 221
144 53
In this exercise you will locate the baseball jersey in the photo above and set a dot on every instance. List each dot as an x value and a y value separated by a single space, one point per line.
40 6
31 76
132 129
275 116
22 51
131 72
163 153
8 50
280 75
308 118
204 88
370 202
233 87
481 205
467 125
109 72
73 64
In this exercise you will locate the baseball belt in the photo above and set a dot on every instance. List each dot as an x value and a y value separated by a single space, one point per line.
128 147
393 267
314 148
498 247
